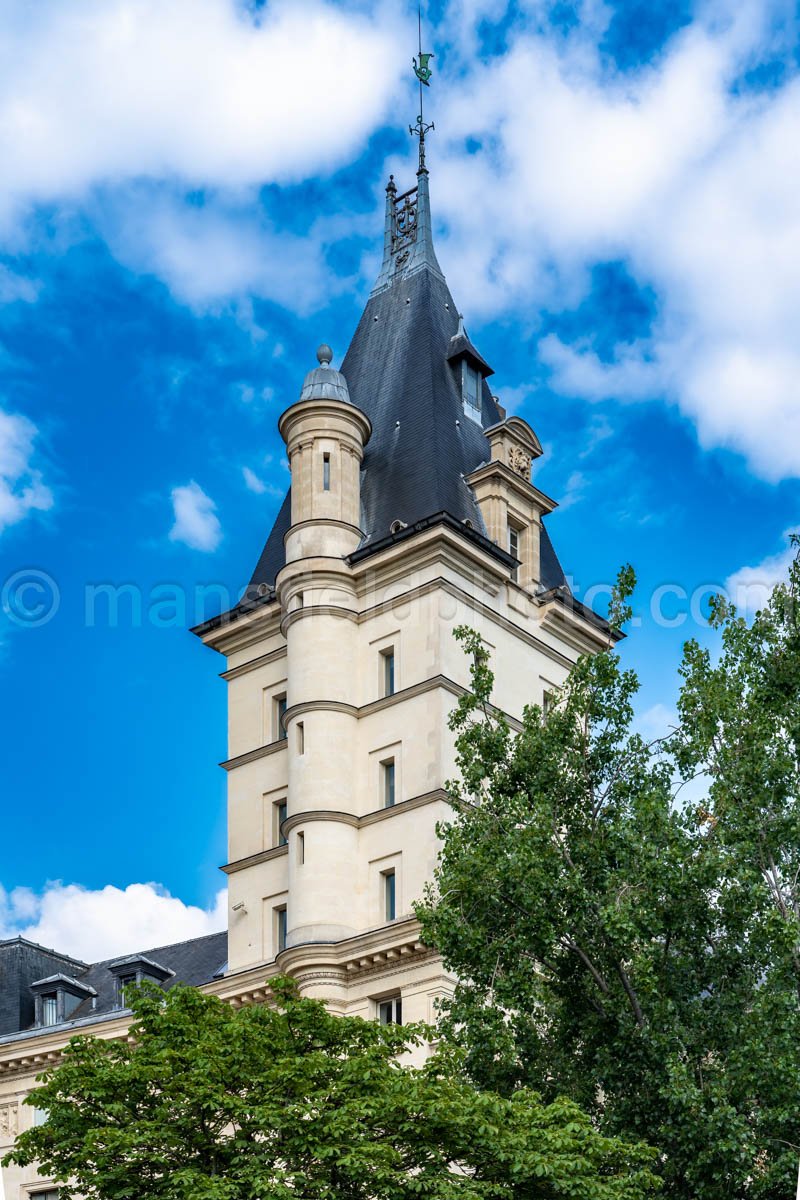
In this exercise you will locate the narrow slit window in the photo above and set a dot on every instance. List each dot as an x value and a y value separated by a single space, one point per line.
301 738
280 816
280 713
513 548
389 896
387 657
280 929
389 775
326 472
301 848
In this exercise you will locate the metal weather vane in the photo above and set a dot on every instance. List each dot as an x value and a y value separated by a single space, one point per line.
423 73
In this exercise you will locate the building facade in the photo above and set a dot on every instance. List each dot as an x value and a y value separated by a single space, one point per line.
413 509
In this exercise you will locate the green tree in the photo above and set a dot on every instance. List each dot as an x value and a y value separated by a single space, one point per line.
619 945
286 1101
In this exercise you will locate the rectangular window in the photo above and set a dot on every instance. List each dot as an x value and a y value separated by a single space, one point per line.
390 1012
388 671
50 1008
326 472
280 929
123 982
301 738
280 713
389 895
471 385
278 838
388 774
301 848
50 1194
513 548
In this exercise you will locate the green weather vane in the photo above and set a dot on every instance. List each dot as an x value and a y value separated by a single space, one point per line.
423 73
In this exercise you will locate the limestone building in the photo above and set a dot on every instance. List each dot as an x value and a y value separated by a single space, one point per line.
413 508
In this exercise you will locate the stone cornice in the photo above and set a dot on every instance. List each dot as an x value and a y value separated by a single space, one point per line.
254 663
416 689
251 755
344 818
252 860
515 482
386 950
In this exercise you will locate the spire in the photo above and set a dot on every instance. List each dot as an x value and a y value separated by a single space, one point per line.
407 232
423 74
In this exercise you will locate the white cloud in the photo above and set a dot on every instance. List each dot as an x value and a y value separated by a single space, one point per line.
670 169
161 119
750 588
21 488
196 523
252 482
107 90
93 925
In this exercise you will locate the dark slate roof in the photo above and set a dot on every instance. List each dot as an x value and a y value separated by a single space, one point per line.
402 372
193 962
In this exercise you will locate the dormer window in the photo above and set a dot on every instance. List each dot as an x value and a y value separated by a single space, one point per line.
49 1008
471 369
471 389
135 969
57 997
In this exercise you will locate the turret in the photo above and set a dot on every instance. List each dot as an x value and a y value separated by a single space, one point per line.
325 435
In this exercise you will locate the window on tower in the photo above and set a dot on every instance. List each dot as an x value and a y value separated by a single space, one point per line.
513 548
326 472
280 712
280 929
389 881
279 809
387 664
388 782
471 387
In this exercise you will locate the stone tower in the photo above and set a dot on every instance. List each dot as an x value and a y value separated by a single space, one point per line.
411 510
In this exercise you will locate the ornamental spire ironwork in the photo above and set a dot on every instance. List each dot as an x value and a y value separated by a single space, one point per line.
423 73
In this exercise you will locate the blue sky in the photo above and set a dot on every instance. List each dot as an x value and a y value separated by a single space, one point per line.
191 201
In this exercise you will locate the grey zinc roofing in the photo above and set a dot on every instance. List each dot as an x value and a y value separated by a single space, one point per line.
193 962
423 444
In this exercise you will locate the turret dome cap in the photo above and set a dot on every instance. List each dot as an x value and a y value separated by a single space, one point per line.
325 383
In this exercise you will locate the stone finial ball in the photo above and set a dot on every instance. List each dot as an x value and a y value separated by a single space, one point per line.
324 355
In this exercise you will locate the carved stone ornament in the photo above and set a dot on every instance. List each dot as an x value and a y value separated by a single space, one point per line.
519 462
9 1120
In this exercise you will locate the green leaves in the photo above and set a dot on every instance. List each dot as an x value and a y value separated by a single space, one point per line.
633 953
285 1100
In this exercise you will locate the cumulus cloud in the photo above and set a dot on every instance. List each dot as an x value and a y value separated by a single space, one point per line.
22 490
160 120
750 588
674 170
95 924
207 90
196 522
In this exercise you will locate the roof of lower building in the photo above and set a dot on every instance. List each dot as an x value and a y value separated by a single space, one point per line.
23 963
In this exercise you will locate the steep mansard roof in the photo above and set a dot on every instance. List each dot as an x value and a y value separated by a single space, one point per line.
402 370
22 963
